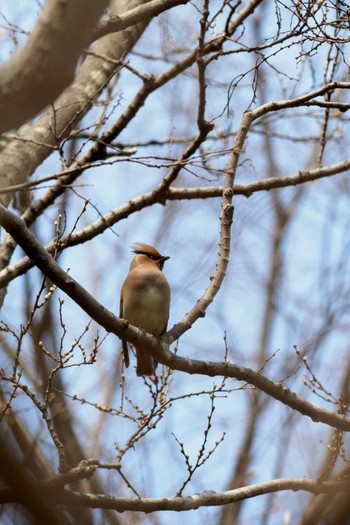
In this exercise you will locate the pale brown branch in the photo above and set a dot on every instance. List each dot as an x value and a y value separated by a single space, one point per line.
303 100
141 13
207 498
261 185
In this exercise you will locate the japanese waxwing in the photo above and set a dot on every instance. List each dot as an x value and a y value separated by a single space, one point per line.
145 301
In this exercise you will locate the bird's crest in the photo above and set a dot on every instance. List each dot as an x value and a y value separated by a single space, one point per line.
140 247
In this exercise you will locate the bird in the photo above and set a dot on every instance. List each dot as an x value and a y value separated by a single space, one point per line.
145 301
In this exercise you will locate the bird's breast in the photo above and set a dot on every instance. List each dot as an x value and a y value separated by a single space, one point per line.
146 301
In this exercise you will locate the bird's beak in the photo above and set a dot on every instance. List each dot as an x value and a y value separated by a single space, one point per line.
162 261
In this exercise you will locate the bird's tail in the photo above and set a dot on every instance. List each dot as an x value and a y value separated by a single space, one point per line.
126 354
145 364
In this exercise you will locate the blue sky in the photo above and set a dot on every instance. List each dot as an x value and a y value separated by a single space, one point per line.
313 281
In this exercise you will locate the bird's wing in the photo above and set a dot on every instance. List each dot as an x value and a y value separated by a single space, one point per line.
165 327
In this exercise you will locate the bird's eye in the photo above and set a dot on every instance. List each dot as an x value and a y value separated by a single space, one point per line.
151 257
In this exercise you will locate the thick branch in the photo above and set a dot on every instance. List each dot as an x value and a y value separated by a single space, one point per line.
20 159
138 14
38 72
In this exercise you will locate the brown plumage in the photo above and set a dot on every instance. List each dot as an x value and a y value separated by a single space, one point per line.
145 301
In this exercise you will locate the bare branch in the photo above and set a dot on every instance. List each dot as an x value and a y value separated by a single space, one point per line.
138 14
204 499
52 53
45 262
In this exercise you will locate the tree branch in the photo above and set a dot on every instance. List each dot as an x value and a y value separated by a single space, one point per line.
204 499
141 13
37 73
157 348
